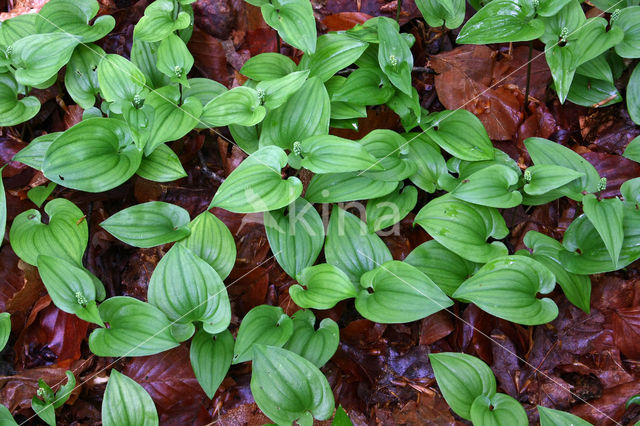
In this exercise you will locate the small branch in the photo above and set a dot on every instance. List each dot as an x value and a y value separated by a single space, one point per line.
526 93
207 171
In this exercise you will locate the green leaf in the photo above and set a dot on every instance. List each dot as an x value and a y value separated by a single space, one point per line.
407 107
160 20
544 178
268 66
461 379
630 191
65 390
429 162
33 154
392 155
551 7
490 187
81 77
551 417
506 287
204 89
597 68
18 27
246 137
350 246
240 105
436 12
294 21
394 55
628 21
264 324
174 59
331 154
546 250
211 358
334 52
593 93
119 79
149 224
66 234
444 267
342 187
464 228
39 57
317 346
144 55
543 151
135 328
5 329
499 409
286 386
632 151
326 285
390 209
13 110
502 21
396 292
563 66
301 116
44 410
211 241
5 417
95 155
633 95
163 165
296 235
73 17
71 288
257 186
341 418
461 134
365 86
127 403
607 217
276 92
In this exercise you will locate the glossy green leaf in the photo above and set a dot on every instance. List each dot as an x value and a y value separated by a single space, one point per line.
461 134
394 55
263 325
45 402
18 27
240 105
39 57
543 151
334 52
490 187
630 191
160 20
597 68
163 165
135 328
464 228
73 17
607 217
437 12
127 403
13 110
66 234
287 387
396 292
497 410
544 178
149 224
71 288
390 209
502 21
506 287
276 92
344 113
5 417
317 346
326 285
628 21
81 77
461 379
294 21
204 89
211 240
95 155
174 59
593 93
350 247
429 162
246 137
303 115
5 329
610 5
632 151
341 418
551 417
119 79
392 154
144 55
550 7
365 86
633 95
407 107
268 66
188 289
296 235
257 186
211 358
342 187
444 267
332 154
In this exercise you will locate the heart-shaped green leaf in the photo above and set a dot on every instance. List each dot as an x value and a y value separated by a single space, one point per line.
507 288
257 186
240 105
211 358
551 7
464 228
444 267
632 151
390 150
188 289
629 21
296 235
396 292
73 17
593 93
490 187
276 92
342 187
149 224
633 95
551 417
390 209
5 328
429 162
33 154
331 154
461 379
334 52
268 66
70 287
294 21
127 403
262 325
81 77
66 234
437 12
144 55
287 387
394 55
160 20
461 134
211 240
174 59
607 217
163 165
499 409
365 86
95 155
135 328
407 107
18 27
598 68
325 285
39 57
317 346
630 191
544 178
119 79
13 110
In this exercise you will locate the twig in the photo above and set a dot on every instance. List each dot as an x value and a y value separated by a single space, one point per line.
207 171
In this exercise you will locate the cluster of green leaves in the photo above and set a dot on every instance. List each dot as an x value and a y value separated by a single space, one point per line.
281 117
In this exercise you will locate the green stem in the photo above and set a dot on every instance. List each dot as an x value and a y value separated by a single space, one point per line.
398 10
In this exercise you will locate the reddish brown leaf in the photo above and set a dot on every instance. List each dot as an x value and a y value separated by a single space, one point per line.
626 331
435 327
73 115
344 20
209 56
615 168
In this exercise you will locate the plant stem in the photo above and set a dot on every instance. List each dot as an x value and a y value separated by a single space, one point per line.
398 10
526 93
277 42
